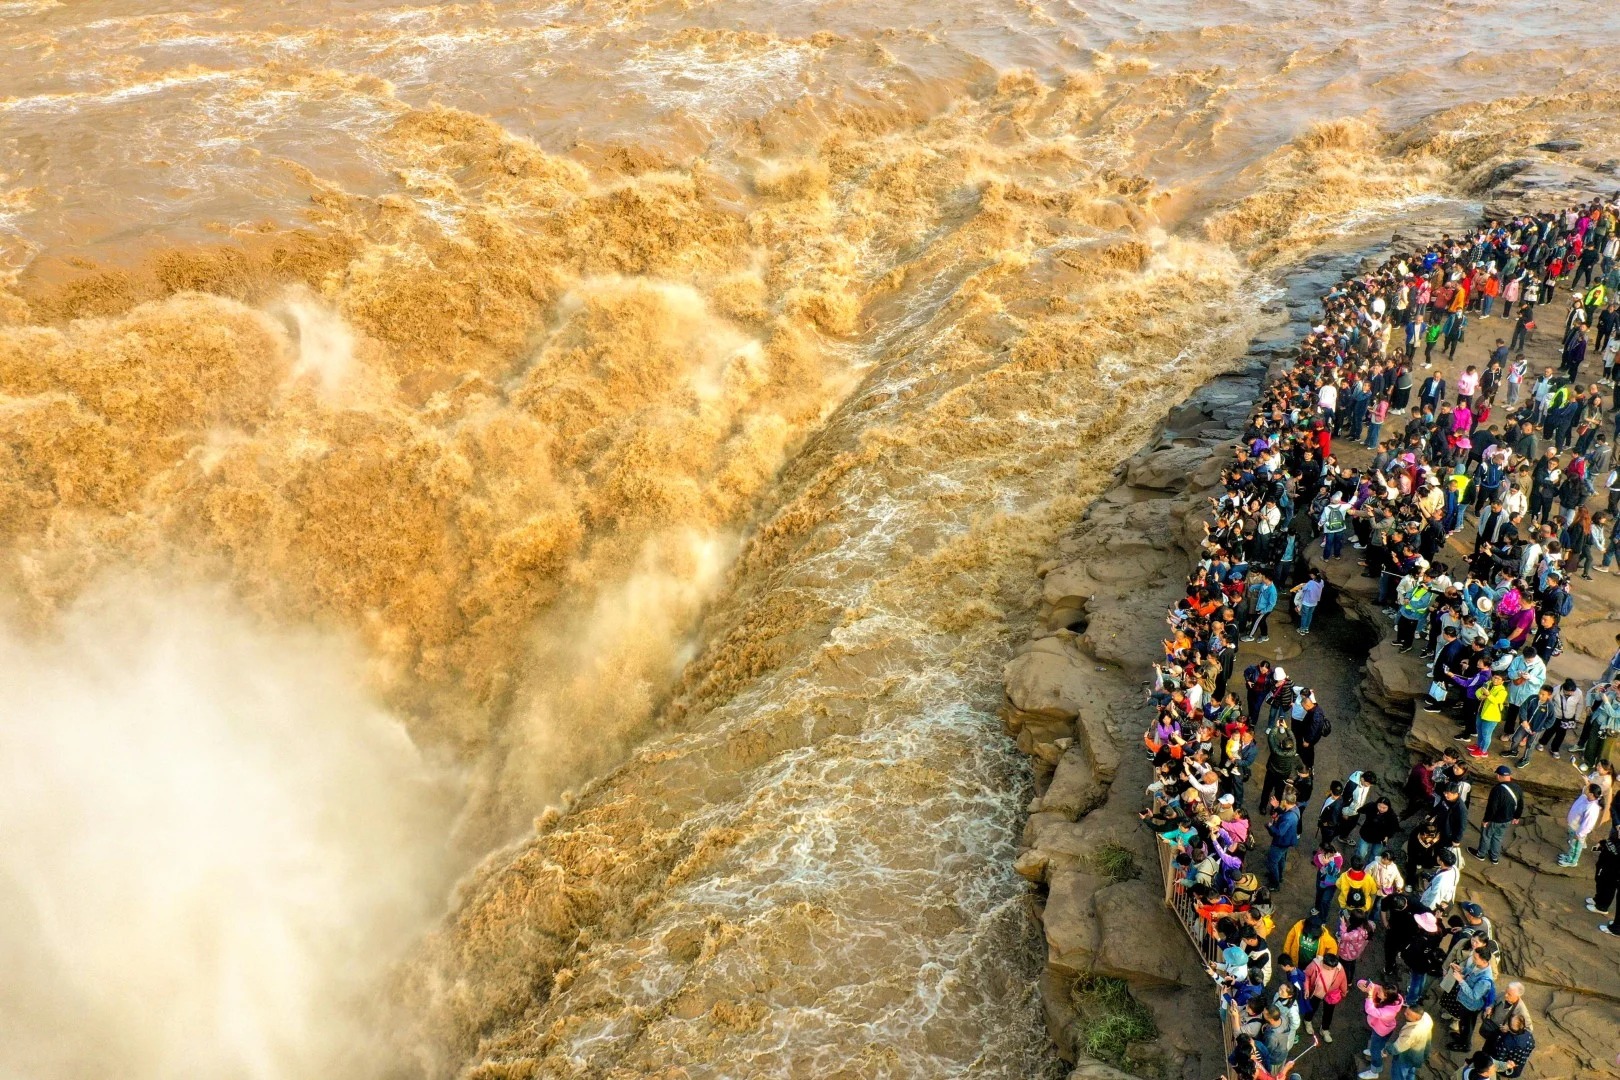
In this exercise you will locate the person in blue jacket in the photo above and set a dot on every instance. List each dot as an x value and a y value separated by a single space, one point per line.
1284 829
1265 602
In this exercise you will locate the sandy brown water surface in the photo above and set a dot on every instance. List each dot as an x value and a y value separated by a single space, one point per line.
644 417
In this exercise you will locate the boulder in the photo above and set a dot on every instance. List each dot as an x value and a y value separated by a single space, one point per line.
1395 680
1553 783
1559 146
1593 636
1048 681
1070 923
1031 865
1074 789
1166 469
1095 734
1069 585
1141 941
1091 1069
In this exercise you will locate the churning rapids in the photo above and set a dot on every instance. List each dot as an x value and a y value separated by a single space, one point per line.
511 514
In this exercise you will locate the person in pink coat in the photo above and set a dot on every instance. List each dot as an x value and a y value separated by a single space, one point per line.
1325 986
1383 1007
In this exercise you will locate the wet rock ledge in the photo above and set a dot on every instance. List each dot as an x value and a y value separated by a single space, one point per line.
1074 696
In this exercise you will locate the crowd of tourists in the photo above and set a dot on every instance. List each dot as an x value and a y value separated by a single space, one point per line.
1516 458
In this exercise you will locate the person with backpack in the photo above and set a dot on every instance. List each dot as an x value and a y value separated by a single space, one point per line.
1282 763
1329 866
1335 521
1424 954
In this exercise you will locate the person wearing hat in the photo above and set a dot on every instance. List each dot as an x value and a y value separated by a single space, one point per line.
1504 807
1424 954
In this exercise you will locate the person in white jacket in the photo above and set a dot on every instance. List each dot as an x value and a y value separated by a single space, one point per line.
1582 819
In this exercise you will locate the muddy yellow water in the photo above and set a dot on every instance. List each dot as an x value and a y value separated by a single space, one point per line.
511 515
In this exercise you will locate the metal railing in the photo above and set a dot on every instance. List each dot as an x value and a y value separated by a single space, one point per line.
1184 906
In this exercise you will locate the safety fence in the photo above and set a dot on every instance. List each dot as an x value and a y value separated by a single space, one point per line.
1200 932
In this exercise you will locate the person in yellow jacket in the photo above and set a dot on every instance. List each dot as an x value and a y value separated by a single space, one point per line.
1309 937
1357 891
1594 300
1492 703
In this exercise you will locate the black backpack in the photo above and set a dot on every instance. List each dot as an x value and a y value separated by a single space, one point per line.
1355 898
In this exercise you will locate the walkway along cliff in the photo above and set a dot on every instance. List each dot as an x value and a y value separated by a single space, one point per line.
1075 704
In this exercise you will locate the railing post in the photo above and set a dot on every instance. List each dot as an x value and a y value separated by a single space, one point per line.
1185 908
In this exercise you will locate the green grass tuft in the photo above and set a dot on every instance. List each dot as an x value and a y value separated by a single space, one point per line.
1110 1019
1115 862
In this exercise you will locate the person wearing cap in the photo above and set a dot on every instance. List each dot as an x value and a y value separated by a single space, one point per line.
1283 695
1475 922
1504 807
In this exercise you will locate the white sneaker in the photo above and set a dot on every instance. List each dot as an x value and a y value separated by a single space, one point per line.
1367 1054
1369 1074
1327 1036
1591 905
1310 1028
